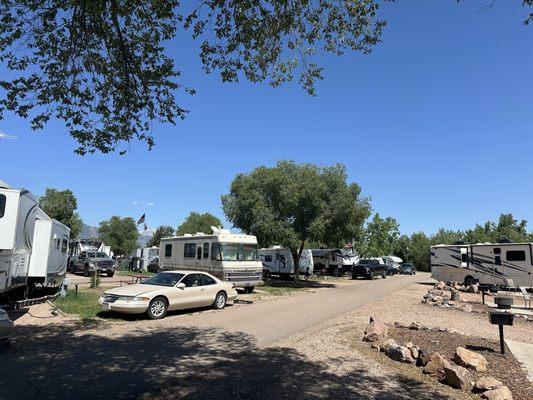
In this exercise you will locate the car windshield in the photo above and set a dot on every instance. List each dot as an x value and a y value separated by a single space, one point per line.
98 254
164 279
237 252
369 262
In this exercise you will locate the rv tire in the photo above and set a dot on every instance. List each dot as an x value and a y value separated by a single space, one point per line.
110 274
220 301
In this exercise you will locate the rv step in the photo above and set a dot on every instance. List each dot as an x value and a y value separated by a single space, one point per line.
28 302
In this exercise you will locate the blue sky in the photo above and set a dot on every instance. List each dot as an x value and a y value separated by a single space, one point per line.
435 125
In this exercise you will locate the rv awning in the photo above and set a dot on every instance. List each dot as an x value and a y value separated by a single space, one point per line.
323 252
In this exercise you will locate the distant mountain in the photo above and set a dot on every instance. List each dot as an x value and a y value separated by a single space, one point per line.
88 232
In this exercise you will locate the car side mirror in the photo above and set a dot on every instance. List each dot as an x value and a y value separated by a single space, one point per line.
180 285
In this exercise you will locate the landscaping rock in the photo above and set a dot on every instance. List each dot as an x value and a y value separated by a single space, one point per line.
487 383
472 289
455 296
458 377
400 325
400 353
500 393
440 285
470 359
417 326
423 356
415 352
435 364
375 331
386 344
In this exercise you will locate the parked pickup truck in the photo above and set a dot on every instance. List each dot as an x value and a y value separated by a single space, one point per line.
369 268
90 261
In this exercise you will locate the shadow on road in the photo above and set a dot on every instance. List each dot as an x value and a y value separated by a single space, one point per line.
55 362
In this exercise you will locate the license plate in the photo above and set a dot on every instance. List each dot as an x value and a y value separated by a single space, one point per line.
105 306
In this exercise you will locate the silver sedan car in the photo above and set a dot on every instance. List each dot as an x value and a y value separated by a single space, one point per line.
6 325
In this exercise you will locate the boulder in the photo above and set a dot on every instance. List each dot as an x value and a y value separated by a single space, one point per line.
435 364
375 331
436 292
440 285
415 352
386 344
458 377
455 295
487 383
409 344
500 393
400 353
423 356
470 359
472 289
417 326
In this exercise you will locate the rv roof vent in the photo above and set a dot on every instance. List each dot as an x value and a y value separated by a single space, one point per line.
200 234
276 247
187 234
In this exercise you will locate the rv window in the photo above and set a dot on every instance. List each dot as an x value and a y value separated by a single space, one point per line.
2 205
189 250
199 253
206 250
64 246
515 255
268 258
168 250
58 243
464 257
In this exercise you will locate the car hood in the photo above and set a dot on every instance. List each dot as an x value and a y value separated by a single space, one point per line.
134 290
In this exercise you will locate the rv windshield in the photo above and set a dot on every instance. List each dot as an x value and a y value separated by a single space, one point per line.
237 252
98 254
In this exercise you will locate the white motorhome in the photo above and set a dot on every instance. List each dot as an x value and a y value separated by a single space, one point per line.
229 256
48 263
279 261
17 224
392 261
501 264
143 257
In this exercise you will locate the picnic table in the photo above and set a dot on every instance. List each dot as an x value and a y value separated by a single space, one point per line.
138 278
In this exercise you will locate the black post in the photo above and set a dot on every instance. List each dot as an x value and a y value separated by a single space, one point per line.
502 342
76 286
483 296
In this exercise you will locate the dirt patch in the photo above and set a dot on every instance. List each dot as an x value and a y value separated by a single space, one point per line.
503 367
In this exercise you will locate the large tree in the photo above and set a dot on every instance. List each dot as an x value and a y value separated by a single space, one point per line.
101 65
291 204
381 235
61 205
197 222
160 232
119 233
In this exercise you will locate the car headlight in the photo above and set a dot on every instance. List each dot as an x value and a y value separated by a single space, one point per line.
133 298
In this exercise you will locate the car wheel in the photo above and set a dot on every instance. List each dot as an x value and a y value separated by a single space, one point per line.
157 308
371 275
110 274
220 301
384 275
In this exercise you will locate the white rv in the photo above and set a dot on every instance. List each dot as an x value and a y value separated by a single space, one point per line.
228 256
335 261
279 261
48 263
501 264
392 261
17 223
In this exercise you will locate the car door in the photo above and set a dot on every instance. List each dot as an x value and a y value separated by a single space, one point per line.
211 289
193 292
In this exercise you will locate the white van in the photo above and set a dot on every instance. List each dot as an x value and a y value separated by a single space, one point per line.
228 256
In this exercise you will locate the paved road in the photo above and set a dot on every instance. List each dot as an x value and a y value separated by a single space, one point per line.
208 354
269 322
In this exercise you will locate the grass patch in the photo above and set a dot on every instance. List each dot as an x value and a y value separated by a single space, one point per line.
131 273
85 305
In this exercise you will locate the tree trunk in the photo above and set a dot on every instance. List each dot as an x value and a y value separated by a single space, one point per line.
296 255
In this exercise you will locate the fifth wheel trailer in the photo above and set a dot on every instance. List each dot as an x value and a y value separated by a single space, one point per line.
279 261
18 209
48 263
502 264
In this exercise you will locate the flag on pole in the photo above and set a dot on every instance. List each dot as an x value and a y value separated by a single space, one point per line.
141 220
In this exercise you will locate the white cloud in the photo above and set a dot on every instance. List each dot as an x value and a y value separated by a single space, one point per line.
134 202
150 204
4 135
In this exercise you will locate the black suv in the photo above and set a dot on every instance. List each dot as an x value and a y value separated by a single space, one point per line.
369 269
